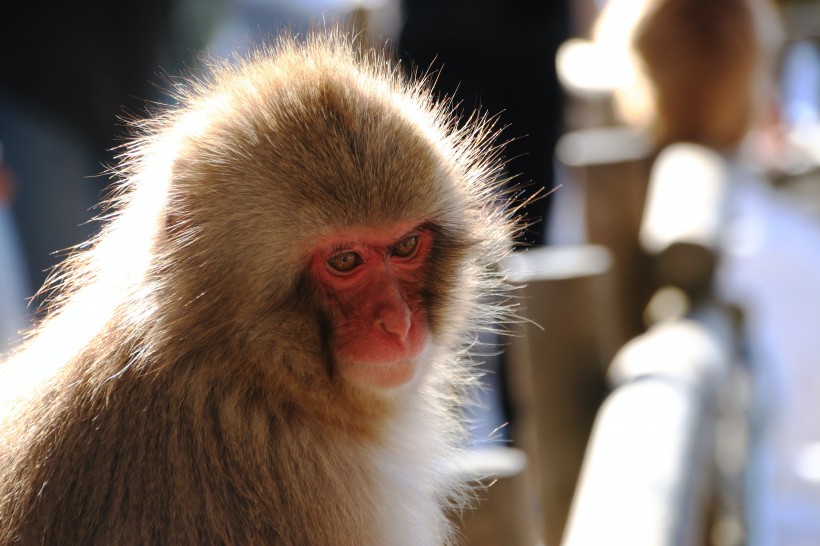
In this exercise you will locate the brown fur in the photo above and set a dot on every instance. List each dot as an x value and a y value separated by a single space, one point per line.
180 390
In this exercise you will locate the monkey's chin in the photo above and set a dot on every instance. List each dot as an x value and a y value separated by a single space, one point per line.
385 375
379 376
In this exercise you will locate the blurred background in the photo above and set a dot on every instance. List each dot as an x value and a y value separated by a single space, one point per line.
663 388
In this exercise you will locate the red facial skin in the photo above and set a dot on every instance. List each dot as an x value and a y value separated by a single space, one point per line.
371 282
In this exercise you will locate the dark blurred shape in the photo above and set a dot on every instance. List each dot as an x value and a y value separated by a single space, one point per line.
499 55
69 69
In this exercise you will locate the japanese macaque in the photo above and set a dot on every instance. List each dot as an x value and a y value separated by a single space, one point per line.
699 71
267 342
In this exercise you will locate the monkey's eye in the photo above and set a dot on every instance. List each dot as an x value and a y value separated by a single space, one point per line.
406 247
345 262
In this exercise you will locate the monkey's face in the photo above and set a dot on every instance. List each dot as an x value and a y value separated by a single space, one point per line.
337 225
370 282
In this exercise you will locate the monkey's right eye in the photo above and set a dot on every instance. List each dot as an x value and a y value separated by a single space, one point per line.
345 262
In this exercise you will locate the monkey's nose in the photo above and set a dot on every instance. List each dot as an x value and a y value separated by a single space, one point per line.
396 322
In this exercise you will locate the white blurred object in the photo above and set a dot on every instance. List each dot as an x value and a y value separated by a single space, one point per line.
808 462
644 474
691 181
771 268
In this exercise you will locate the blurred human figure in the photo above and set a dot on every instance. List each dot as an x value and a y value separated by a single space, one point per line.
686 70
710 67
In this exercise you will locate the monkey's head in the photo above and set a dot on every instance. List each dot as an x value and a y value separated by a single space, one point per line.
322 207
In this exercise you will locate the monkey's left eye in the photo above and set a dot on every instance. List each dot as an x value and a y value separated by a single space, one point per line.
406 247
345 262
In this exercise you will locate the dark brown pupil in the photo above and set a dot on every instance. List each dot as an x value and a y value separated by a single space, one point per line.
406 246
344 261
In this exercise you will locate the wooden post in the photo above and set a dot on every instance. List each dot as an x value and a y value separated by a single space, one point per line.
556 368
611 166
502 514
